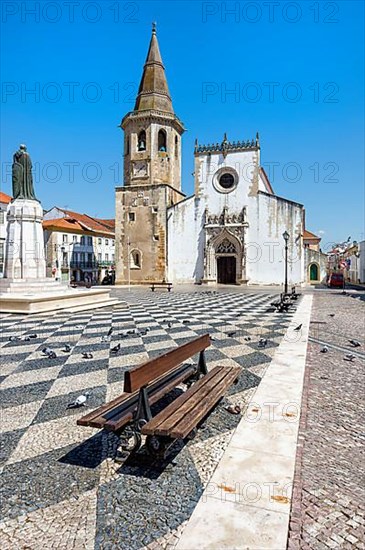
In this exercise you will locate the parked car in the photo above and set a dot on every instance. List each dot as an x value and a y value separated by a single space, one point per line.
336 280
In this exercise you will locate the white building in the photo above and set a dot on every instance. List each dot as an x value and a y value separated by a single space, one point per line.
78 247
234 223
4 201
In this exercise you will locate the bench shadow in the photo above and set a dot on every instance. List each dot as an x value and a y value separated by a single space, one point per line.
93 451
143 465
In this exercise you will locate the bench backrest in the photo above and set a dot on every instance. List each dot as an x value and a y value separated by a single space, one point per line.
139 376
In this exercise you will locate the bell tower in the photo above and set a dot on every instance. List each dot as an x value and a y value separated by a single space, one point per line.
152 176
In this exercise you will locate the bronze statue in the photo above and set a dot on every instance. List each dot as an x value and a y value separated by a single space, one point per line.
22 175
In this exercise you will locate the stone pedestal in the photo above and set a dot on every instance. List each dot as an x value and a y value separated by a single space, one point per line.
25 288
25 245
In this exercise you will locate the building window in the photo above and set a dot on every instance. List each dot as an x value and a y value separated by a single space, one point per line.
135 259
106 242
82 257
132 217
89 241
82 240
225 179
89 258
2 217
113 242
141 146
113 258
74 238
64 259
99 257
176 147
107 257
1 252
100 240
64 238
162 141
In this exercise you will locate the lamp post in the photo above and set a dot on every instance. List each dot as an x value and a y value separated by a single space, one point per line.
286 239
129 264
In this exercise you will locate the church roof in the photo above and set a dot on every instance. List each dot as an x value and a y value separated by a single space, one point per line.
153 92
308 235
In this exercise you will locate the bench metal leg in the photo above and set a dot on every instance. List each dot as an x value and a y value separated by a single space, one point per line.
143 413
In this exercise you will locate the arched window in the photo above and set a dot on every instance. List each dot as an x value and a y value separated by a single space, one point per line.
135 259
176 147
162 140
141 141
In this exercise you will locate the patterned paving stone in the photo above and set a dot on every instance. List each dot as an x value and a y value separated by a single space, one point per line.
60 484
328 508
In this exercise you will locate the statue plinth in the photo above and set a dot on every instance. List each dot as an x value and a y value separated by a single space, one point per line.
25 244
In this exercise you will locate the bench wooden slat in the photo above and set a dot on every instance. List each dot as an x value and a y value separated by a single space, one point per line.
118 412
139 376
191 420
195 403
180 406
85 420
116 424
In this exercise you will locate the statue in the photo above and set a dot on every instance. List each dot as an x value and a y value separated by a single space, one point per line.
22 178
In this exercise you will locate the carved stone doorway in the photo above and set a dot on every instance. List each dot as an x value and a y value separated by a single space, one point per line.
226 270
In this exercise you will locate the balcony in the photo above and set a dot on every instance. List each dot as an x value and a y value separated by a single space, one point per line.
83 265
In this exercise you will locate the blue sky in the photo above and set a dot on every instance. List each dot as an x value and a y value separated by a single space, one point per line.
296 69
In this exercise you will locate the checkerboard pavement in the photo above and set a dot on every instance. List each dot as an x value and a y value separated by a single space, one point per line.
60 485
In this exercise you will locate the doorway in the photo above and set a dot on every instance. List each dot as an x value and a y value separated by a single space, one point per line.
226 270
313 272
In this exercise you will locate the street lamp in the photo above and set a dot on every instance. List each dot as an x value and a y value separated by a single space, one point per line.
286 239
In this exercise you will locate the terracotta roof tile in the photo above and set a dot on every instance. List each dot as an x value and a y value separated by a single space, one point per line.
4 198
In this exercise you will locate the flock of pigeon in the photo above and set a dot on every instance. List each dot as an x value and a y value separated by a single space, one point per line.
349 356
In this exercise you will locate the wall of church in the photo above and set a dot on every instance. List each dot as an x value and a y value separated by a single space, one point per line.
265 248
183 242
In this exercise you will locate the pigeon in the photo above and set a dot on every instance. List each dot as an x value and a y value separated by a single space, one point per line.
324 349
231 334
33 335
186 322
14 338
50 353
355 343
143 332
86 355
26 339
132 331
110 331
115 349
349 357
79 401
248 338
297 329
169 324
233 409
262 342
331 314
123 335
67 348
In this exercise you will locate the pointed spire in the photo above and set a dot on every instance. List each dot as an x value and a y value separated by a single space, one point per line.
153 92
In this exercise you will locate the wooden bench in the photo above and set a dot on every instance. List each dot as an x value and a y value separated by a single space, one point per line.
294 295
283 304
163 284
148 383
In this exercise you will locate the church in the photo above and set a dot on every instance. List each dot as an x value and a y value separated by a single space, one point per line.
230 231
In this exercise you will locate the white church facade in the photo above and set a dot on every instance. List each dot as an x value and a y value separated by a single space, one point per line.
230 231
